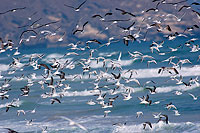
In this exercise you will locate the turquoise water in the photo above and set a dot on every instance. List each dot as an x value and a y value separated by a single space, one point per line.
74 102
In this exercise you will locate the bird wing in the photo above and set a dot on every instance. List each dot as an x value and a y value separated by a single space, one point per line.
81 4
149 123
108 13
28 31
85 24
147 98
69 6
191 95
126 42
159 71
97 15
120 10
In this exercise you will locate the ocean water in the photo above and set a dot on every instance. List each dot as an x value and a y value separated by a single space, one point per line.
73 114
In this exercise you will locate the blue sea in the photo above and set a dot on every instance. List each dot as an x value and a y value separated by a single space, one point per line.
73 114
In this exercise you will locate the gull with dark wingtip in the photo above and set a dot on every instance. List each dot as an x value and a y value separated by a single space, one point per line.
80 30
147 123
76 8
123 12
13 10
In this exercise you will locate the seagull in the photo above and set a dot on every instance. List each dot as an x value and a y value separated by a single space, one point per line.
9 106
1 76
138 114
29 123
164 116
102 18
135 54
175 3
151 9
123 12
16 52
173 36
184 6
197 13
50 84
44 129
20 111
30 17
126 29
30 30
73 123
90 102
62 76
195 3
110 40
116 76
176 113
195 81
145 100
177 18
127 96
100 96
106 112
174 49
151 61
46 24
156 116
67 87
184 61
167 69
170 105
152 90
25 91
194 97
179 81
147 123
178 93
33 111
114 21
61 38
93 40
107 105
146 56
80 30
133 79
32 25
4 96
13 10
113 98
154 47
11 130
149 81
157 102
43 65
191 28
53 100
128 38
195 48
119 124
76 8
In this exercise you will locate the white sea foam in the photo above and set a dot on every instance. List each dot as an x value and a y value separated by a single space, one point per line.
108 53
173 88
15 103
160 127
95 124
153 72
4 67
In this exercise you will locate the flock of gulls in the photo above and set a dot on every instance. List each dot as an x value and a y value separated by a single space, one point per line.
108 81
